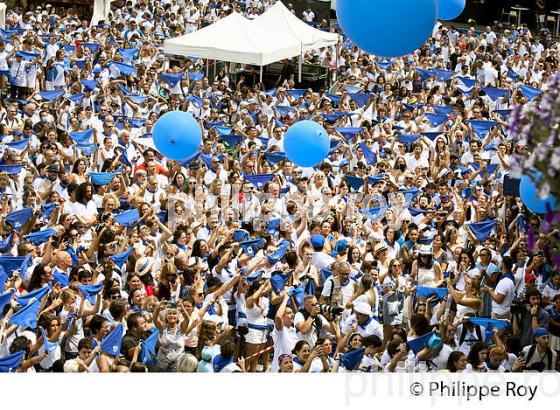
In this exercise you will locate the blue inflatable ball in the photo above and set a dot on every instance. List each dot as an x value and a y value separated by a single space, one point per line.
306 144
529 192
450 9
387 28
177 135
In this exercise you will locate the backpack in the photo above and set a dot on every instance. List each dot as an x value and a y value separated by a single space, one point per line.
335 298
464 334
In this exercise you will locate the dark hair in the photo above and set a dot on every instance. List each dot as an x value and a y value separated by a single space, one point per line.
20 343
138 367
473 358
420 324
227 348
35 281
133 320
299 345
85 343
453 357
117 308
81 192
96 322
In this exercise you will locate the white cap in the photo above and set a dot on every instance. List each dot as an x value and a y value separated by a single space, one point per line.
363 308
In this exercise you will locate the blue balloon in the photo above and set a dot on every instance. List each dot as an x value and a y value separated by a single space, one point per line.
306 144
387 28
177 135
529 193
450 9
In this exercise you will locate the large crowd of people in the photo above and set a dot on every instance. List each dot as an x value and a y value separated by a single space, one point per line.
407 249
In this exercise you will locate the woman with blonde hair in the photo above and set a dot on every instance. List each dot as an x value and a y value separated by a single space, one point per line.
172 334
469 300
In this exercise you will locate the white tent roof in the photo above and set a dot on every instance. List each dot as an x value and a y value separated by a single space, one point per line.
282 23
269 38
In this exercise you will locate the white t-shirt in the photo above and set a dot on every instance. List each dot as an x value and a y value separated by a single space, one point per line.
505 287
284 342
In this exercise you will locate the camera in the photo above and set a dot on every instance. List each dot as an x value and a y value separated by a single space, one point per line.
171 304
518 307
331 310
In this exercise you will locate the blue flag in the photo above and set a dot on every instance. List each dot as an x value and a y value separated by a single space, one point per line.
352 359
127 218
443 75
82 137
111 343
432 135
360 99
128 53
223 130
468 82
148 349
298 295
530 92
427 292
13 169
90 291
348 132
412 192
49 346
171 79
231 140
369 155
124 69
442 109
76 98
19 145
482 230
89 85
259 181
39 237
513 75
136 122
190 159
47 210
13 263
6 244
499 324
419 343
424 74
86 149
195 76
332 118
101 178
278 281
93 47
416 212
251 247
18 219
51 95
26 317
436 119
354 182
384 65
296 93
37 294
10 363
241 235
326 273
375 213
273 225
277 255
412 107
275 157
375 178
5 298
494 93
283 110
408 139
121 258
503 113
481 127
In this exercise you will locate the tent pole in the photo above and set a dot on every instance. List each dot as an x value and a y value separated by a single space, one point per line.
207 68
261 75
300 63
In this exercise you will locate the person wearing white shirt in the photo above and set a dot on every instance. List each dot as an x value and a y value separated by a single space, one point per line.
284 334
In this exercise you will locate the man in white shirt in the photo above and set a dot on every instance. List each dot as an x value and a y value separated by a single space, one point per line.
308 15
502 296
284 334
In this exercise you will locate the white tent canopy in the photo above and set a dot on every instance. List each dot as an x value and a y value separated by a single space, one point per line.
2 16
274 36
281 23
